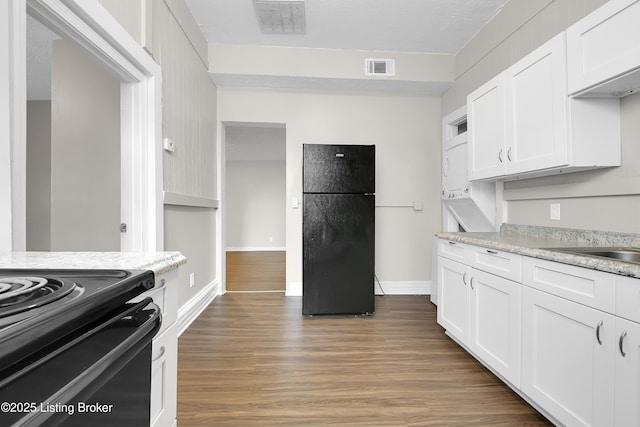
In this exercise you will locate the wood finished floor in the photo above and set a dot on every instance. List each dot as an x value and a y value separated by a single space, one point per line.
255 271
253 359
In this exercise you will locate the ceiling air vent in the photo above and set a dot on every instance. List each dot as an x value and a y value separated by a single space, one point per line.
379 67
281 16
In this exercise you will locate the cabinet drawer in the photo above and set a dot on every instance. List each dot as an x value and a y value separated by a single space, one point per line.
503 264
628 298
165 295
452 250
592 288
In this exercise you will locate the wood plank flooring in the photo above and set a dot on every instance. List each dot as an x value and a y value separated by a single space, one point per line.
255 271
253 359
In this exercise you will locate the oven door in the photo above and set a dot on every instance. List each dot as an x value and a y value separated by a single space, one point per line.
99 375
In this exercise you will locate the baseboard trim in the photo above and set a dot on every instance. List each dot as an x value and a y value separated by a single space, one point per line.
294 289
414 287
196 305
256 249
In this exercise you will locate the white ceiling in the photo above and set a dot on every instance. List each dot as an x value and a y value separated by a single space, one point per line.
428 26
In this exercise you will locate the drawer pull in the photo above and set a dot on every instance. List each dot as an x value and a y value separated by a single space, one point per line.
160 354
471 282
500 155
464 278
620 343
489 251
600 323
452 243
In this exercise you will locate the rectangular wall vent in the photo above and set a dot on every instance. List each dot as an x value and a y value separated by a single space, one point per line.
379 67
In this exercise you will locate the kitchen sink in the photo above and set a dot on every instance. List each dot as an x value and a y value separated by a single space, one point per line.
615 253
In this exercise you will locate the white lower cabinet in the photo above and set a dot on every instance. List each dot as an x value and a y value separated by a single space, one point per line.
567 337
453 298
495 323
627 374
568 359
481 310
164 359
164 378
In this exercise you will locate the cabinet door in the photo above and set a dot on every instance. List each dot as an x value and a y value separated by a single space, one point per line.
453 298
486 134
495 323
536 105
567 359
604 46
164 379
627 373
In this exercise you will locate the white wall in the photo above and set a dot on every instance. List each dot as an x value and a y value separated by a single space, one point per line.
406 132
255 203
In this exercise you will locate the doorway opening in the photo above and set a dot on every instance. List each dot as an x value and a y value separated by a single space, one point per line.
255 207
94 31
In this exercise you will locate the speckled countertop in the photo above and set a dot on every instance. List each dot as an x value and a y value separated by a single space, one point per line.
158 262
536 242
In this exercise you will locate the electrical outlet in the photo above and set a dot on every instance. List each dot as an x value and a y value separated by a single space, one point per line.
271 238
554 211
192 280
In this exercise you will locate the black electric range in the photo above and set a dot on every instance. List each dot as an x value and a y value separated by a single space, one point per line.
70 339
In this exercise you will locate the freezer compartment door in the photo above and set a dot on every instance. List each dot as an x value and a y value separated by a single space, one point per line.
339 169
338 254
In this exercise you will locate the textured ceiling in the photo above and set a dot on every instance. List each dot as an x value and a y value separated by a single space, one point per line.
429 26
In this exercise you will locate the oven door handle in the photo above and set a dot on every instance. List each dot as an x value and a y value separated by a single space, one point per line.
107 366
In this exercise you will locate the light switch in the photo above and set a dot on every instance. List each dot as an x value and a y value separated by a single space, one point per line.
295 203
554 211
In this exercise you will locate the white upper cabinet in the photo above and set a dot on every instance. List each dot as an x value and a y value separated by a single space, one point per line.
523 124
536 106
603 56
486 130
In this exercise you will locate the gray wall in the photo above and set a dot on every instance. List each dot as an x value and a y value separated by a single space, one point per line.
38 176
85 153
168 31
602 199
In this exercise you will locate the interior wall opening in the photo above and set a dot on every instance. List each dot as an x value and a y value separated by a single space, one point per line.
255 207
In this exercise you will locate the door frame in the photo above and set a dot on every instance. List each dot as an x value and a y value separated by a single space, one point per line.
99 34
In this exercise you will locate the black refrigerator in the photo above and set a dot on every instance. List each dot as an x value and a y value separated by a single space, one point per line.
338 222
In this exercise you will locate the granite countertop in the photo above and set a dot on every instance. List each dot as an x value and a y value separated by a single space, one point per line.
536 242
158 262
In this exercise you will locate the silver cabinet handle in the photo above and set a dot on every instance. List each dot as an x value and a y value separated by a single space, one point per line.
500 155
471 282
489 251
160 354
452 243
464 278
509 154
620 343
600 323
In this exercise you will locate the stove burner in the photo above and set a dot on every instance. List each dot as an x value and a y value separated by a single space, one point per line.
19 294
12 286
